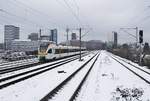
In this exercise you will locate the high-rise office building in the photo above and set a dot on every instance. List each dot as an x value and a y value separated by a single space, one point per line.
33 36
115 39
45 37
10 33
73 36
53 36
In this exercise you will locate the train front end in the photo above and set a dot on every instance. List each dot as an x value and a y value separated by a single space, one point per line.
42 52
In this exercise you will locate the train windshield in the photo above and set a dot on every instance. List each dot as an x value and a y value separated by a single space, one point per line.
44 46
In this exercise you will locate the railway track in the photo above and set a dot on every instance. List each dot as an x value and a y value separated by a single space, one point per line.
16 67
72 83
138 67
10 68
5 68
17 62
144 75
12 79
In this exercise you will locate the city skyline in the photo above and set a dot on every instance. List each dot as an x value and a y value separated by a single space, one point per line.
102 17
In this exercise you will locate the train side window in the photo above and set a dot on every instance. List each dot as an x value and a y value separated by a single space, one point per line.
61 50
65 50
50 51
57 51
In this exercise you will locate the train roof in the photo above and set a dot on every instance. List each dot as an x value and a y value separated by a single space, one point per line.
63 47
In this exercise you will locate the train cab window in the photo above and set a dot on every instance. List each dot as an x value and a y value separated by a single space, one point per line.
50 51
43 46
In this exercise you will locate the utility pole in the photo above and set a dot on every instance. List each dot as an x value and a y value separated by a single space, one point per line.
67 42
40 32
80 36
67 30
80 42
136 36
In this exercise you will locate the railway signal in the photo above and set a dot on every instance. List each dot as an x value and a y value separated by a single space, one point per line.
140 41
141 36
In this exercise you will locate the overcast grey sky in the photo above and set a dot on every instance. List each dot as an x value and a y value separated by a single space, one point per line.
103 16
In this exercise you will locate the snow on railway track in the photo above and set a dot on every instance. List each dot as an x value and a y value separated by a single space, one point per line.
35 88
18 63
70 87
5 73
110 81
142 68
13 62
28 73
137 70
100 85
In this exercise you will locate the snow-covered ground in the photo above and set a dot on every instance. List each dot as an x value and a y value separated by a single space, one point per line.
67 91
143 72
145 68
108 81
35 88
32 68
107 78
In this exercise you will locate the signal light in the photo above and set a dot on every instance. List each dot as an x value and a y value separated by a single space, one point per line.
141 36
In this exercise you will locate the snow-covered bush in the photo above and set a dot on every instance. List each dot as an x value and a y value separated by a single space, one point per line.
127 94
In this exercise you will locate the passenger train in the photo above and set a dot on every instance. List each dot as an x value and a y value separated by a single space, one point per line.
51 51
